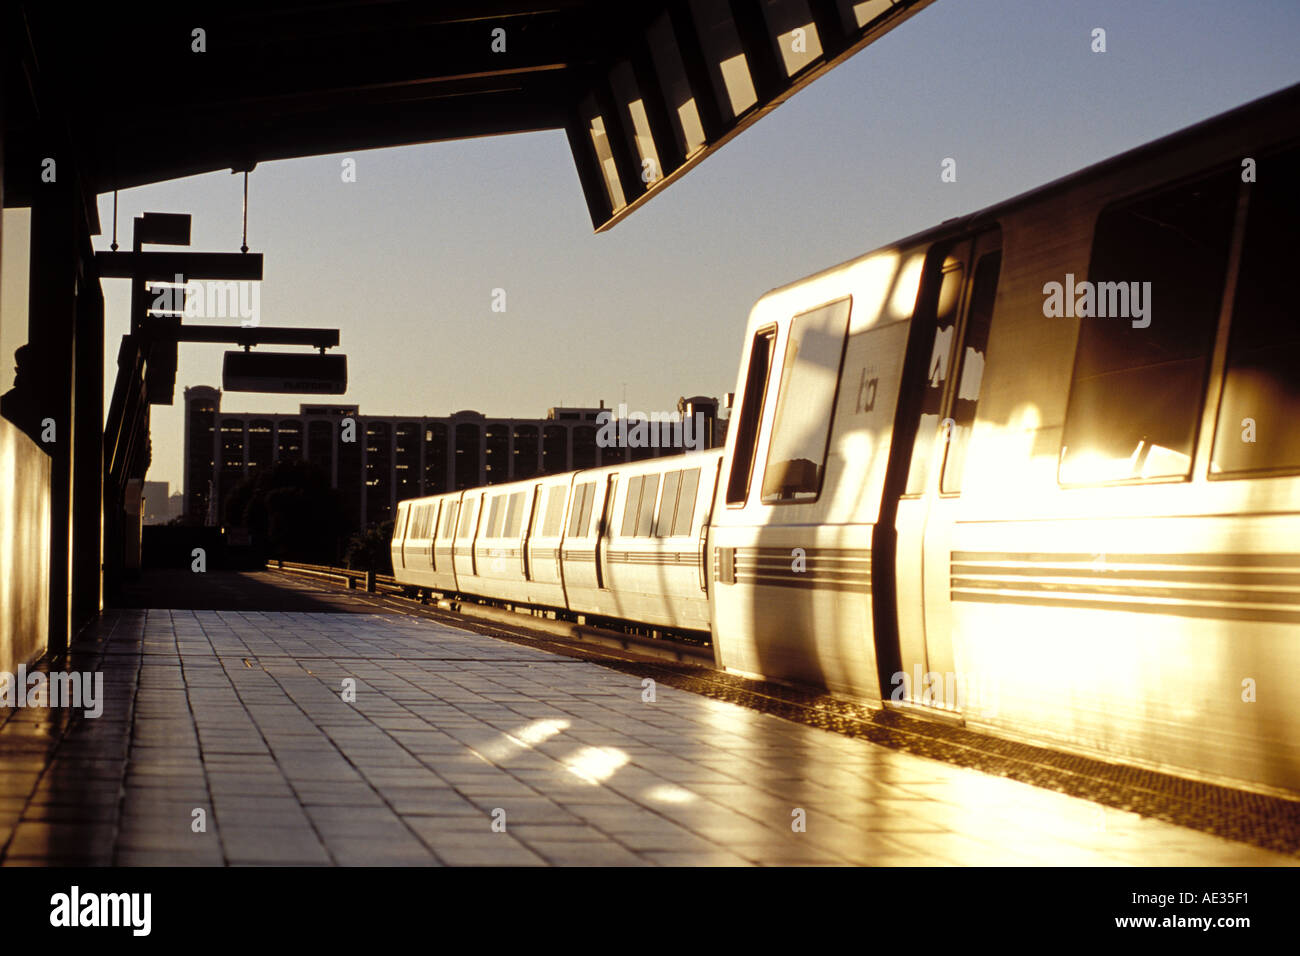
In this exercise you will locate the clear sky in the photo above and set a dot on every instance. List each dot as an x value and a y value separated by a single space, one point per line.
404 260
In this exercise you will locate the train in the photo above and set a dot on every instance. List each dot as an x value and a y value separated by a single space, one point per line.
1035 471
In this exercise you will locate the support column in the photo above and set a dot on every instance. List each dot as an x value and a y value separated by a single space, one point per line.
88 453
52 313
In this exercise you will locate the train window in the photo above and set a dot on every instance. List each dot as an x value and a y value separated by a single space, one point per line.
927 428
646 513
791 25
449 523
495 517
686 501
554 511
467 518
587 501
514 515
975 342
751 416
1256 430
1145 340
630 506
667 505
575 511
537 515
676 88
728 68
796 458
580 515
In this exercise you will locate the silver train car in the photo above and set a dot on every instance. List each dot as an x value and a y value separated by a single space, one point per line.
1036 470
622 542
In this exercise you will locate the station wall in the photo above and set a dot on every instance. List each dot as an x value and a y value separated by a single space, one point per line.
24 548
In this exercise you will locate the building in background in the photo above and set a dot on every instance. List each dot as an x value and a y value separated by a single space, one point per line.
159 506
376 461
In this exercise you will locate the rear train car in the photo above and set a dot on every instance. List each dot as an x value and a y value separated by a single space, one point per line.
623 542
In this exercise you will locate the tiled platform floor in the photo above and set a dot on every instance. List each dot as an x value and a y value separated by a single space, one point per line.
241 715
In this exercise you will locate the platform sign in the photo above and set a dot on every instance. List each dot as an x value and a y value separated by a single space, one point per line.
288 372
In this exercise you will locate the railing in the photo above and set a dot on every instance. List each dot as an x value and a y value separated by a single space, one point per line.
354 577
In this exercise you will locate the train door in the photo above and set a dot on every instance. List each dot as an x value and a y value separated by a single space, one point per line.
430 531
530 531
448 539
479 524
957 314
398 546
702 549
603 532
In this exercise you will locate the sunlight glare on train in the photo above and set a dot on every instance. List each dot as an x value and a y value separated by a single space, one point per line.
870 284
903 301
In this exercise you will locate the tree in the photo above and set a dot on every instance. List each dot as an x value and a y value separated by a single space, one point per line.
291 512
370 550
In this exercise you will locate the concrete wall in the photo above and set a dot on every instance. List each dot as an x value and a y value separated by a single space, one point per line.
24 548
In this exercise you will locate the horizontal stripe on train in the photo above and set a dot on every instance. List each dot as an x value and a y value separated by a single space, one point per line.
838 555
1226 594
780 560
1230 586
688 558
787 564
1206 560
1106 571
1219 612
806 581
823 569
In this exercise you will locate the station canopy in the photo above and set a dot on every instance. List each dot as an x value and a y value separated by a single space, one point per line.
142 93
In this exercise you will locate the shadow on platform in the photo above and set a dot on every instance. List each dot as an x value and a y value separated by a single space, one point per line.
233 591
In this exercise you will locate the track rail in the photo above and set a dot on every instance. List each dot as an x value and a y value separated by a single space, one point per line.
607 634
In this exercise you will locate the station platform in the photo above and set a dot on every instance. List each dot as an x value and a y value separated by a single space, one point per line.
229 735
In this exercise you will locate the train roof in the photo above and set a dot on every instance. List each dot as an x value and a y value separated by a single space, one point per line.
1284 103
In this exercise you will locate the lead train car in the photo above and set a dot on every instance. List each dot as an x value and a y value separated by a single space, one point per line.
1037 470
